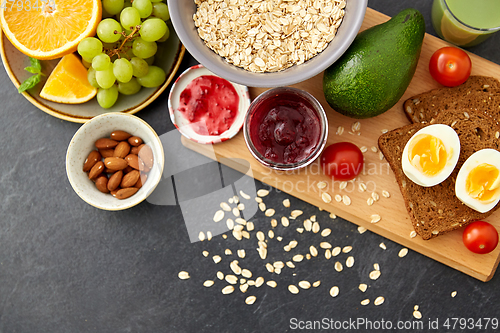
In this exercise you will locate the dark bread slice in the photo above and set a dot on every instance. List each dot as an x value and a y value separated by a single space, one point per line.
477 94
436 210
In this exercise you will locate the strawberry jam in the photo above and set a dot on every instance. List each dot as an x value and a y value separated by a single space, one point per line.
210 103
285 128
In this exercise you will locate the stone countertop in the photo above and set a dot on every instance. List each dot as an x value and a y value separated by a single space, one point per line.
68 267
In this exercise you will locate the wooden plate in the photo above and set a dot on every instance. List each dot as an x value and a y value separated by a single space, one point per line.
395 223
170 52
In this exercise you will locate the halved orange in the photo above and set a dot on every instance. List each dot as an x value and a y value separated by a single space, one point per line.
68 82
52 30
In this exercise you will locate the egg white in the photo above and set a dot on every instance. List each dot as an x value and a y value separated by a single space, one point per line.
451 143
490 156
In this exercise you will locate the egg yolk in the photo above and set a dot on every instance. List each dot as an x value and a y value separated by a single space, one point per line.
483 182
427 154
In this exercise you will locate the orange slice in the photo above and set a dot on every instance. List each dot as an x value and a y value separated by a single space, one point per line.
49 29
68 82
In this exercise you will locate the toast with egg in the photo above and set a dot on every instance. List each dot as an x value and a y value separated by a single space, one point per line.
477 94
436 210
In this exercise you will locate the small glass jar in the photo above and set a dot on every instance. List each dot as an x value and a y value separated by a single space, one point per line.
454 28
285 128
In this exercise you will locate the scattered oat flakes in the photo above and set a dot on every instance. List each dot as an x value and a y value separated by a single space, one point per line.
453 294
363 287
228 252
379 300
361 230
258 199
340 130
325 245
375 196
375 218
259 281
250 226
230 224
274 223
286 203
386 194
374 274
346 200
382 246
225 206
349 261
369 201
304 284
316 284
183 275
362 187
270 268
216 259
321 185
220 275
334 291
227 290
269 212
403 252
384 131
262 206
363 149
327 198
296 213
413 234
219 215
315 227
270 234
205 253
326 232
262 193
241 253
209 235
336 251
365 301
231 279
298 258
417 314
307 225
250 300
271 283
246 273
338 197
300 230
374 149
208 283
376 267
333 216
328 254
284 221
338 266
313 250
235 267
244 195
347 249
293 289
244 287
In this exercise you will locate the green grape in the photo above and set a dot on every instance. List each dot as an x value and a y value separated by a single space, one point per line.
140 66
89 48
131 87
165 36
113 7
107 97
144 49
105 78
109 30
129 18
155 77
153 29
150 60
101 62
144 7
86 64
122 69
160 10
91 78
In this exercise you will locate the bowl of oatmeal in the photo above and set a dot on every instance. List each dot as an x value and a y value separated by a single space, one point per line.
267 43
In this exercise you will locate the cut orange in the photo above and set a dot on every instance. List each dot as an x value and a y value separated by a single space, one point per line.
49 29
68 82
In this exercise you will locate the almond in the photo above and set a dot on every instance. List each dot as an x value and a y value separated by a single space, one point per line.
135 150
92 159
135 141
141 180
120 135
106 152
101 184
105 143
96 170
125 193
135 162
130 179
115 163
146 155
122 149
115 180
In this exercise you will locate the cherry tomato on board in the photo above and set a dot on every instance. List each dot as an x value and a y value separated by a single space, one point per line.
450 66
480 237
342 161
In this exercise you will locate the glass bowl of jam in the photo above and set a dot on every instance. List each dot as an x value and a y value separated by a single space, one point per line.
285 128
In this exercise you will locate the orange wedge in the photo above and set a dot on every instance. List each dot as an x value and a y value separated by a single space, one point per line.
51 29
68 82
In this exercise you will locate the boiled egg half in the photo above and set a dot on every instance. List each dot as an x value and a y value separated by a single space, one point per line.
478 181
431 154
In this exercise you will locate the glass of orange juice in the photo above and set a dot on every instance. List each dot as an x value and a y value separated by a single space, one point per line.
465 22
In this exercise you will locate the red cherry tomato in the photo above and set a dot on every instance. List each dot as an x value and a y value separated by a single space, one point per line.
480 237
342 161
450 66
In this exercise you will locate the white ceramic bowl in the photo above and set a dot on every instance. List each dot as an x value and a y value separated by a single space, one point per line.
182 124
82 144
181 14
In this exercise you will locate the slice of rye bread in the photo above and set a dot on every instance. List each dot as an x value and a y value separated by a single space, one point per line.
477 94
436 210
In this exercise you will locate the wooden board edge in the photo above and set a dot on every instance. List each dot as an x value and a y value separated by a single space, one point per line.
483 276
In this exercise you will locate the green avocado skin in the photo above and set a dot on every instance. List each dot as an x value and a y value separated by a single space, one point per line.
373 74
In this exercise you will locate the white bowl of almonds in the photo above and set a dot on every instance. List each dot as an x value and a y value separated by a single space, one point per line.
267 43
114 161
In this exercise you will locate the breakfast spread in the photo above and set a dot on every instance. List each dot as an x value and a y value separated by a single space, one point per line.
120 164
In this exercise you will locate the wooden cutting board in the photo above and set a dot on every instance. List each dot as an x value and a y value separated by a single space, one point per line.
395 223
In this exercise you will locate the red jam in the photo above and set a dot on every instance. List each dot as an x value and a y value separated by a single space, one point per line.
210 103
285 128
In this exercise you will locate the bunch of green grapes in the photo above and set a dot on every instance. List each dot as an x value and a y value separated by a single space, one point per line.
120 59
